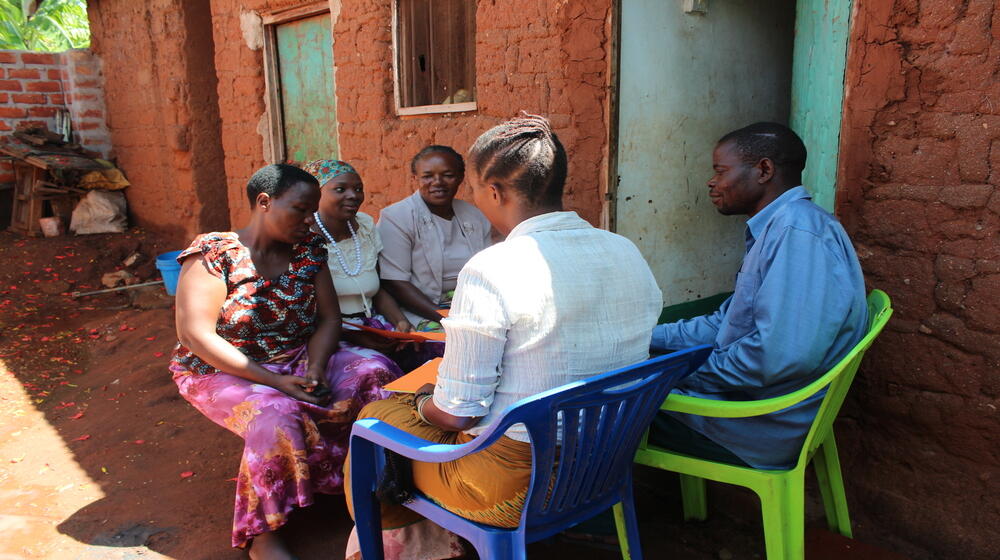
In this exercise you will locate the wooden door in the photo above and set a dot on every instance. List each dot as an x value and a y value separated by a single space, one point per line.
304 64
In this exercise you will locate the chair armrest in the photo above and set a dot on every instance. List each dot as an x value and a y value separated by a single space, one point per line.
740 409
413 447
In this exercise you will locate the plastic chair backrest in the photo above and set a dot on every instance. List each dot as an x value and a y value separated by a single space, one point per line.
842 375
585 434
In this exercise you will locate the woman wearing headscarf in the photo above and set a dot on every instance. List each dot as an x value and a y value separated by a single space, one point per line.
353 246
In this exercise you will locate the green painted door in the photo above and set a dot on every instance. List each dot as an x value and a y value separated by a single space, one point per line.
821 31
309 108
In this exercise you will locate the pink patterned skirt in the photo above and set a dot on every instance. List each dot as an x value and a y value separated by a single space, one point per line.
293 448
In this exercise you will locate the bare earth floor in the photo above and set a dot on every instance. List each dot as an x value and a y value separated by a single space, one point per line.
101 459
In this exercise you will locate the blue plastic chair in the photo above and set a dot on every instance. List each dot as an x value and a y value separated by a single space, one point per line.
597 423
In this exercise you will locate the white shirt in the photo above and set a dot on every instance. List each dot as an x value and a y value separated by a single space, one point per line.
355 293
455 254
556 302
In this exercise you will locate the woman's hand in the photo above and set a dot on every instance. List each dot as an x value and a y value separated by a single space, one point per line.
440 418
403 326
296 387
315 378
370 340
426 388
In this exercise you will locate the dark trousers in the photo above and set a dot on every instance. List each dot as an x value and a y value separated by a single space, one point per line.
667 432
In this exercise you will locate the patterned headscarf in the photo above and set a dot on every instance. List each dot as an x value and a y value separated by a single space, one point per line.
326 169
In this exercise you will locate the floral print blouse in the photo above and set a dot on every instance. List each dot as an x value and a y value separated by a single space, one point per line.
262 318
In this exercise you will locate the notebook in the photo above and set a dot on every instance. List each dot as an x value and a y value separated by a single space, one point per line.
407 336
416 379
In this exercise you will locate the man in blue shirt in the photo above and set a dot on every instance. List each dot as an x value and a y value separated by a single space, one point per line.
798 306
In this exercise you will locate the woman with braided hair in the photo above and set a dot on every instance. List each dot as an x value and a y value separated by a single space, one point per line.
557 301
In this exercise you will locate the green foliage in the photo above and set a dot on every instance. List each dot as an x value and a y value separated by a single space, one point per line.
56 25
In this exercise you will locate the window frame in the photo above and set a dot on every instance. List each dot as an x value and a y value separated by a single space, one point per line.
467 106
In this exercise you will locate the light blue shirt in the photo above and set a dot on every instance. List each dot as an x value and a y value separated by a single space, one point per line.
797 309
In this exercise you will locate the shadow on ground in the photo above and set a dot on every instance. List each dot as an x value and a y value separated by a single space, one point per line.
127 469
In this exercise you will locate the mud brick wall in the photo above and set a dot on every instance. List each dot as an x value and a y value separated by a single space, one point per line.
35 86
162 110
547 57
920 165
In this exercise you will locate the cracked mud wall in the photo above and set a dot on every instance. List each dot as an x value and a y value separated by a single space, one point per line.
920 165
162 111
548 57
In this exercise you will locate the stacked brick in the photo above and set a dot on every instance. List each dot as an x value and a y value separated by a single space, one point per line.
920 171
82 84
35 86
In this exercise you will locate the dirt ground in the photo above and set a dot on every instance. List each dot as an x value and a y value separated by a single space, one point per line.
101 458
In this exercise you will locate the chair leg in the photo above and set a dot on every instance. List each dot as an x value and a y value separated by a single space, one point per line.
831 487
782 506
628 528
622 530
693 498
501 546
367 509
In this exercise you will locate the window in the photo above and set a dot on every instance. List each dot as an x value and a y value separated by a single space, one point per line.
435 56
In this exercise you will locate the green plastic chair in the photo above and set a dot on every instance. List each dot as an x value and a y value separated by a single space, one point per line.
781 492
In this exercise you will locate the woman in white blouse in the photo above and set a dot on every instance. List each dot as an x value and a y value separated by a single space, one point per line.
353 246
556 302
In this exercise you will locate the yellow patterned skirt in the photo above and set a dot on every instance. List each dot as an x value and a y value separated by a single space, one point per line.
487 487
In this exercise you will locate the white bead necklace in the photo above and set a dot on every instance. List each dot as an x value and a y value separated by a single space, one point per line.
336 249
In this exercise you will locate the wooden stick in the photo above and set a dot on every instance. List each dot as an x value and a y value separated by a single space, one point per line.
119 288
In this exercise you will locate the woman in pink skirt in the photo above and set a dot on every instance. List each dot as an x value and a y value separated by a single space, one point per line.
258 325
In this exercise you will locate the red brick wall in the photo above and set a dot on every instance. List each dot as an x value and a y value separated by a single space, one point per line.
920 164
84 89
163 112
34 86
556 65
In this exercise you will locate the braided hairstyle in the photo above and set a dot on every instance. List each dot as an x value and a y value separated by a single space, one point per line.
525 154
437 149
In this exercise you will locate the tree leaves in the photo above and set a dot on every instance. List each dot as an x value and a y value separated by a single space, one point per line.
56 25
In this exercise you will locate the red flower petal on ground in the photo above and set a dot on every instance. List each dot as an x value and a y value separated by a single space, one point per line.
76 416
157 354
187 474
84 437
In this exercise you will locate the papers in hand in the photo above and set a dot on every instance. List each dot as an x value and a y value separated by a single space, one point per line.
416 379
402 336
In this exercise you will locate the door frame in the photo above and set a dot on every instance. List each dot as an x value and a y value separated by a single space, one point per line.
275 151
609 205
609 208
